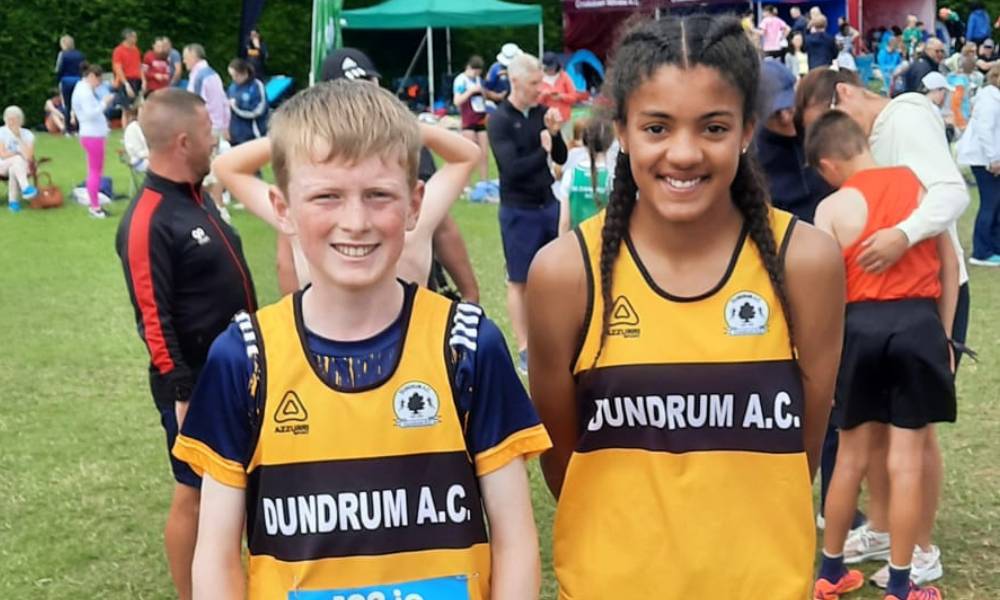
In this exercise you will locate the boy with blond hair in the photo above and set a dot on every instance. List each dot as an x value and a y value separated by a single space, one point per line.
895 376
361 426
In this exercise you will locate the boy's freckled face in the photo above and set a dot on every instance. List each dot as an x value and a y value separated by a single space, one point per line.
351 218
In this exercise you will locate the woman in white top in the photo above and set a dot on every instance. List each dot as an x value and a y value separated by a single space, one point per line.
17 149
89 111
979 148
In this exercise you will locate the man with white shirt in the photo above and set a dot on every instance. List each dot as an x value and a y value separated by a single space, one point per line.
907 130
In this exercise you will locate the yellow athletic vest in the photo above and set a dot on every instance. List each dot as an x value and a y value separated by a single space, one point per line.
363 494
689 480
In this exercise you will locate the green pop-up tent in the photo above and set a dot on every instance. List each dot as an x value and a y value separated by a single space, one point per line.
431 14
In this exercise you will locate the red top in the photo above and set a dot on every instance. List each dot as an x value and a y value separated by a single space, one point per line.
129 59
891 195
568 95
157 71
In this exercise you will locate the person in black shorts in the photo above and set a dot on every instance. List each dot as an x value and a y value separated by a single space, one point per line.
524 136
895 376
468 96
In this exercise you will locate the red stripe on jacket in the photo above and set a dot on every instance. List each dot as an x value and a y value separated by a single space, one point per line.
141 271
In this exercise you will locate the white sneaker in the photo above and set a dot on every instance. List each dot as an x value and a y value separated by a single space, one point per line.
98 213
926 568
865 544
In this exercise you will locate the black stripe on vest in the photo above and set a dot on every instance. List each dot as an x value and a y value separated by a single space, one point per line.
677 408
374 506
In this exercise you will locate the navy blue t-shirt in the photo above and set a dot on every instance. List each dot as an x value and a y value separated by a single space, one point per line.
488 388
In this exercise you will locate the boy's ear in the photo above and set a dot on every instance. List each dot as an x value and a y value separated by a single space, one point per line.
280 205
829 171
416 201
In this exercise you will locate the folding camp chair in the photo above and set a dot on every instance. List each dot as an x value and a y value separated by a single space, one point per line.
134 177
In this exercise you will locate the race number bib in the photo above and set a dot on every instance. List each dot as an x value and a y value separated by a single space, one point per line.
443 588
478 104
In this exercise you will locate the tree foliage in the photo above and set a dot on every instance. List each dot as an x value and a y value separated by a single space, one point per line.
30 31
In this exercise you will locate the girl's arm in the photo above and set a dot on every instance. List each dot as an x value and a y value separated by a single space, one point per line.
814 275
516 567
217 569
948 301
446 185
236 170
564 187
553 331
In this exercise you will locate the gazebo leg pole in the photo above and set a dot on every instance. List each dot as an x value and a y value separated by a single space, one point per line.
541 41
447 37
430 67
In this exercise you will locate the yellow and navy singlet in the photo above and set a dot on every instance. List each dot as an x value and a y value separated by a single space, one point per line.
367 491
689 479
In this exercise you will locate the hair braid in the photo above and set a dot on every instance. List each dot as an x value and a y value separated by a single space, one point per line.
750 197
616 218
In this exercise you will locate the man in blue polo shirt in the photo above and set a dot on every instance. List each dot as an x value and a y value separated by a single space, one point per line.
523 136
496 85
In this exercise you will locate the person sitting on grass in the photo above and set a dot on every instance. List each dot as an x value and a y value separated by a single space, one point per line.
17 151
358 428
895 374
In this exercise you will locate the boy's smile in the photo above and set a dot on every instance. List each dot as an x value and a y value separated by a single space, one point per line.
351 218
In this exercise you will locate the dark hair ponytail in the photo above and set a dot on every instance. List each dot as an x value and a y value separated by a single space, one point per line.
621 202
749 194
719 43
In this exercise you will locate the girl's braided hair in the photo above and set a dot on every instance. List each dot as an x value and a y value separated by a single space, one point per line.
716 42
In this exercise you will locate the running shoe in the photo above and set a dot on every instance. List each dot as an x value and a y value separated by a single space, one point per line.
864 544
14 206
522 362
926 567
29 192
98 213
993 261
851 580
918 593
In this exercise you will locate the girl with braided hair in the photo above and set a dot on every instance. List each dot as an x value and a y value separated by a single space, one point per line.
686 373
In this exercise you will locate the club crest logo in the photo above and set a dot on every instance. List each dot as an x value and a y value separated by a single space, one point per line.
416 405
747 314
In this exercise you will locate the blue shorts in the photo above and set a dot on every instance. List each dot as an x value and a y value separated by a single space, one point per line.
163 397
524 230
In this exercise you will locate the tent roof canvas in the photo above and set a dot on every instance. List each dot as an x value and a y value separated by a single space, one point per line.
420 14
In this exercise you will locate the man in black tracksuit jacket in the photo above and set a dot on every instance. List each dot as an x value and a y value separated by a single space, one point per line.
523 136
186 277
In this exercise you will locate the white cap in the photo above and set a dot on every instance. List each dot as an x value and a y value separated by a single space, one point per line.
508 52
935 81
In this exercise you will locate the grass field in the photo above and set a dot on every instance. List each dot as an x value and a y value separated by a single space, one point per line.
84 481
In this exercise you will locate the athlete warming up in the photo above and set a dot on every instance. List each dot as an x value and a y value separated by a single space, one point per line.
896 376
360 429
687 371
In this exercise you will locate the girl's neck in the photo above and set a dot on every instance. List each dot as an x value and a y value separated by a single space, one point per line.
346 314
721 224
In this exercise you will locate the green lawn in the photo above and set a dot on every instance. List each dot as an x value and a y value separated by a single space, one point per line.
84 481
